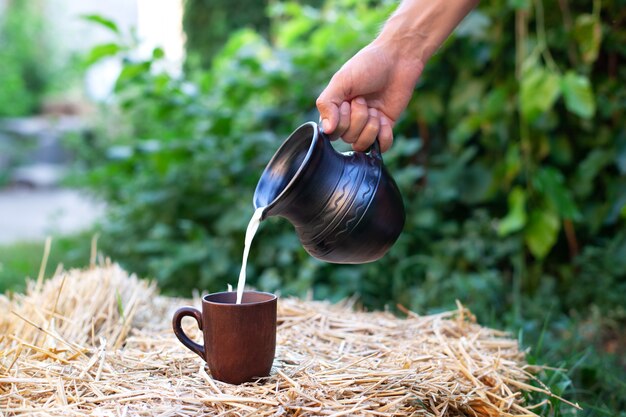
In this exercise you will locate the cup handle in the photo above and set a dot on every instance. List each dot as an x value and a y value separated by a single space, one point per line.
180 334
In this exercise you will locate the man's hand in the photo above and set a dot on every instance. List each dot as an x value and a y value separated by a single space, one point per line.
367 95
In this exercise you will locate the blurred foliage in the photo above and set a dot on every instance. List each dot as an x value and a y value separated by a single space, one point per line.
510 175
24 58
511 158
209 23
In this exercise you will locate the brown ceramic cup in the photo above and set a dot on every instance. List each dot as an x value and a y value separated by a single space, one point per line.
239 339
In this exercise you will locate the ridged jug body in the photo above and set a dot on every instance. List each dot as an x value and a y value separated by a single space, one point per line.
345 207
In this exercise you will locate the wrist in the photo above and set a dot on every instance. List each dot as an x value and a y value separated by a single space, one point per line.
408 36
397 62
418 27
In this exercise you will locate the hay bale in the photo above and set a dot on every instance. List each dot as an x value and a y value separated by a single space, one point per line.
99 342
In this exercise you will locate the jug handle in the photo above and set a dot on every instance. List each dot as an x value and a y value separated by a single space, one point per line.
373 150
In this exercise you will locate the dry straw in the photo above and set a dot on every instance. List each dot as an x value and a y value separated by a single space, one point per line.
98 342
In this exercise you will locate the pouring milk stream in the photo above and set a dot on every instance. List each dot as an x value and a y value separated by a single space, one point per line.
250 232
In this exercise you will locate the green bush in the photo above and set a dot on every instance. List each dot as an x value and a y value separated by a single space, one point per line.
511 158
209 23
511 165
24 53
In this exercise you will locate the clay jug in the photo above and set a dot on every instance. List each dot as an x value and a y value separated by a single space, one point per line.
346 207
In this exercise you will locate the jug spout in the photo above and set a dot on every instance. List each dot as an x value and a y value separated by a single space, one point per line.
295 181
277 180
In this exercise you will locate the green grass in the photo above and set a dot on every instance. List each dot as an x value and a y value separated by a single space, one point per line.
23 259
583 364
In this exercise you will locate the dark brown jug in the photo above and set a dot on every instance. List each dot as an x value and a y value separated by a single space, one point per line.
346 208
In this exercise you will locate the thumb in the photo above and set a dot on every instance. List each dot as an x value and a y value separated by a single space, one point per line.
328 105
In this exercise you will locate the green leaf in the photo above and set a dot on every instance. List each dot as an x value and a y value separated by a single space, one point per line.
516 218
589 168
429 106
494 104
549 182
512 163
588 34
409 175
102 21
99 52
478 181
541 232
578 96
475 25
293 31
131 71
158 53
464 130
538 91
519 4
466 96
616 194
561 149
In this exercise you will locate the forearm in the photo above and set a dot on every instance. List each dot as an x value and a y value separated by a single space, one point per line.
418 27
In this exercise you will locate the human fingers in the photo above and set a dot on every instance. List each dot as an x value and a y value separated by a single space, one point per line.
385 135
328 103
344 121
358 119
329 115
369 132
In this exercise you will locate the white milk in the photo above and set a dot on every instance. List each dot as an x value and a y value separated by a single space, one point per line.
250 232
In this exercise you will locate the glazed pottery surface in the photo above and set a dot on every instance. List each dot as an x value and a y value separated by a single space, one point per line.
346 207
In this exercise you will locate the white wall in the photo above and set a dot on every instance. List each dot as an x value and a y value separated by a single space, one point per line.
75 34
161 24
156 22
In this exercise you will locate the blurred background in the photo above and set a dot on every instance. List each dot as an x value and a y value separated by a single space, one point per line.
147 123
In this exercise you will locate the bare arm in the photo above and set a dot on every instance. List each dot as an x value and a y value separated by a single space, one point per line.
367 95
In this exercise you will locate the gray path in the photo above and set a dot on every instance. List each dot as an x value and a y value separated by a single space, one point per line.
32 151
29 215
